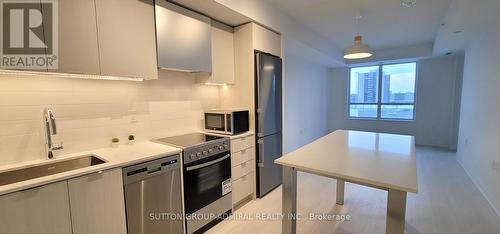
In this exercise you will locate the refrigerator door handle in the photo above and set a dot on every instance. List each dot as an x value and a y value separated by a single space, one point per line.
260 142
258 111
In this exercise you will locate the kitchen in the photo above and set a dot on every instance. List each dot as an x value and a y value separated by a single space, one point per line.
125 91
171 116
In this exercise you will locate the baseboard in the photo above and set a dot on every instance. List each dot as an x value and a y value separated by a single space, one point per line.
474 181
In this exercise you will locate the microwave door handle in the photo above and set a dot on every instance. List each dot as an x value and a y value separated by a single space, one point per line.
207 163
225 123
232 123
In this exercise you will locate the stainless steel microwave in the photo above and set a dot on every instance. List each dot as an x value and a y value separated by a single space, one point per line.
227 121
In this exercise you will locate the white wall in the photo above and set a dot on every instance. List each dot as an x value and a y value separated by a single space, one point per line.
306 58
437 105
305 99
91 112
479 138
266 14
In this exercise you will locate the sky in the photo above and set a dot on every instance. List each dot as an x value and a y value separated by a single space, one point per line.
400 75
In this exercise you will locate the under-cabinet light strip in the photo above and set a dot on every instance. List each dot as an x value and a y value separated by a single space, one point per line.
68 75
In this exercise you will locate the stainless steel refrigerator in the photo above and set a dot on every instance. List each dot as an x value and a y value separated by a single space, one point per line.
268 103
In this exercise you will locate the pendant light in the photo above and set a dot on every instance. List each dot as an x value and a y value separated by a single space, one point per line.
358 50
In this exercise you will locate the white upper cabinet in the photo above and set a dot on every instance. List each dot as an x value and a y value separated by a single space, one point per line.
222 54
126 35
97 203
78 49
184 39
266 40
42 210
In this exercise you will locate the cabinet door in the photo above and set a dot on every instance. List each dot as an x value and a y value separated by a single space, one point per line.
42 210
184 38
78 50
266 41
127 44
222 56
97 203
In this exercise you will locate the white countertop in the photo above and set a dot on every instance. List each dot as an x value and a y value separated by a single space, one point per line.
381 160
124 155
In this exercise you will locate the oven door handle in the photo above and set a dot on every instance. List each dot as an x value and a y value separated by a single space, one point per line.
207 163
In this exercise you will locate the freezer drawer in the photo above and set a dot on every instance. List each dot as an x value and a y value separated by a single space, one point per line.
268 173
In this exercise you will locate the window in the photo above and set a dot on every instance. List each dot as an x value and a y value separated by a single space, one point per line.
383 92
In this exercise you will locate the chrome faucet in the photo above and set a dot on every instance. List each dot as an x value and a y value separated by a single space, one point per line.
50 129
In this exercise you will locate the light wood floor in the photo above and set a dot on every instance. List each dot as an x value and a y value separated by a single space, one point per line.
447 202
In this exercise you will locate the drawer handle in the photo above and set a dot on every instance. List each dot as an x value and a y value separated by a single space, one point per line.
244 164
243 138
244 151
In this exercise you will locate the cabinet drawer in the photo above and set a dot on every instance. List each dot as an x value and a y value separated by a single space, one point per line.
242 187
242 169
241 143
242 156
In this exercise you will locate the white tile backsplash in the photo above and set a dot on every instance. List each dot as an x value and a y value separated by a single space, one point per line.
91 112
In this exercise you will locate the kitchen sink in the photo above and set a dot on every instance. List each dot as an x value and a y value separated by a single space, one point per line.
33 172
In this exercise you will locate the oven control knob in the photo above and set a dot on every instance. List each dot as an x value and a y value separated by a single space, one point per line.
205 152
192 156
198 154
221 147
210 151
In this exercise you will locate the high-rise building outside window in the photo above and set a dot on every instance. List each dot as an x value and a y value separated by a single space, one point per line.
383 92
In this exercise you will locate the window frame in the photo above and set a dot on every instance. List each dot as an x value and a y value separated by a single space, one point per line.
379 102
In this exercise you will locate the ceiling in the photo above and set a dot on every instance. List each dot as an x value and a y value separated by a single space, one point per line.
385 24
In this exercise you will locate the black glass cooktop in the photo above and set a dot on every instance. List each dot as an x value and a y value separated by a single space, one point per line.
188 140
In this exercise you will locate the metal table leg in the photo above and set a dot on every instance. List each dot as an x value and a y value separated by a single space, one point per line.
340 192
396 210
289 200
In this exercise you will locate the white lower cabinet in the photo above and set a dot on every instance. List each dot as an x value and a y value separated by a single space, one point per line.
243 187
242 168
41 210
97 203
241 143
242 156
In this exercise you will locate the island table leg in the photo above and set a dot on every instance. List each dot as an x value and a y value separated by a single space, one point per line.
289 200
340 192
396 211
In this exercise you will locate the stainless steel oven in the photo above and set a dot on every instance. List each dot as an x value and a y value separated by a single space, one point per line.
206 178
227 121
206 181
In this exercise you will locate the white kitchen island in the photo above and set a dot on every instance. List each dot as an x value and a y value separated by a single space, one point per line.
383 161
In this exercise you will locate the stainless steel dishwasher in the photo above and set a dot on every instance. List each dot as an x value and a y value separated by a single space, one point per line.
153 197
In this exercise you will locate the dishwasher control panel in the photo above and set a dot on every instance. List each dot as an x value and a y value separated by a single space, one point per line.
150 168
